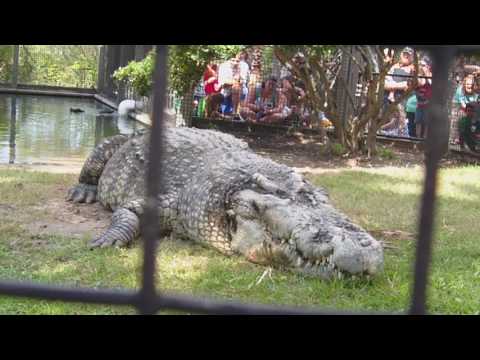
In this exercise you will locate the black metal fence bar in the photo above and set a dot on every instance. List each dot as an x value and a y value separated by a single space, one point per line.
157 303
217 307
48 292
150 224
436 146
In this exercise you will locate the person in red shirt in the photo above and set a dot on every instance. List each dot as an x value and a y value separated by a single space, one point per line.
424 94
212 90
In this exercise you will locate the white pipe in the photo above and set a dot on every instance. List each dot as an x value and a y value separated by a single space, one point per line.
127 106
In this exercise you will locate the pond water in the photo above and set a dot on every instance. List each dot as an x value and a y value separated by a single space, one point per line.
41 130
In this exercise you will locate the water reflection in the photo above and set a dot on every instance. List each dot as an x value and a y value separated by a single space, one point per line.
39 129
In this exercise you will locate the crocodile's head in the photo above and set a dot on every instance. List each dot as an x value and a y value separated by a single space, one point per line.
299 229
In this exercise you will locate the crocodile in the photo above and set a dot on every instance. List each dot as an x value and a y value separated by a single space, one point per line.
216 191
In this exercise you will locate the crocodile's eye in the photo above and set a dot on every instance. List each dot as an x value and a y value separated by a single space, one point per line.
255 206
139 157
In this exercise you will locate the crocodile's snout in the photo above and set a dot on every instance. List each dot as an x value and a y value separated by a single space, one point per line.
314 240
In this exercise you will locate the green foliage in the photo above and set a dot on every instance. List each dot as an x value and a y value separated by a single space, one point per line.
59 65
186 65
338 149
386 153
6 65
138 74
6 56
188 62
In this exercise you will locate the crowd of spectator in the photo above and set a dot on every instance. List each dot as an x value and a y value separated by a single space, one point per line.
410 119
234 91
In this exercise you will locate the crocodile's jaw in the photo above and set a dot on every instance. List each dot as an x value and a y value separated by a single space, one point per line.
311 241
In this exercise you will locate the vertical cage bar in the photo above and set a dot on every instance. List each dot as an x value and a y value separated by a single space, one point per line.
436 146
101 70
150 224
16 53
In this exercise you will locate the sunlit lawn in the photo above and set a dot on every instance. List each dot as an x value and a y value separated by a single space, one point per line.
382 200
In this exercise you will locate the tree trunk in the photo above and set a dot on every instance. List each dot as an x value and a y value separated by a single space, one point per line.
340 133
372 139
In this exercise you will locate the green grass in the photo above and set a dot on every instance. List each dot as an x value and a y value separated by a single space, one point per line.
386 153
381 200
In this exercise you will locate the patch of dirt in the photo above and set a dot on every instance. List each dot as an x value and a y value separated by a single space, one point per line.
307 153
60 217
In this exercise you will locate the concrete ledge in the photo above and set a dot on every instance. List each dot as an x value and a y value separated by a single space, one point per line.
202 123
64 93
52 87
142 118
105 101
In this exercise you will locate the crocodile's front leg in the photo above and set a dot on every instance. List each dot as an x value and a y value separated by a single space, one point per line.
86 189
123 230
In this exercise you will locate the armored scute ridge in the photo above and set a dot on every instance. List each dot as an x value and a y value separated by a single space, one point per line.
216 191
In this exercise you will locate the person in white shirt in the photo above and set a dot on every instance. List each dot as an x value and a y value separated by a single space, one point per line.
226 74
241 75
233 77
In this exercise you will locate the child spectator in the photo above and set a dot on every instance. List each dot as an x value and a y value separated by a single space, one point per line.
469 128
423 94
410 109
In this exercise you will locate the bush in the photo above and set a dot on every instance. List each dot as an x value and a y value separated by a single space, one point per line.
386 153
338 149
138 74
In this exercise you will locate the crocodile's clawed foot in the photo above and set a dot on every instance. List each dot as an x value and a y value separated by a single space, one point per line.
123 230
107 241
82 193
